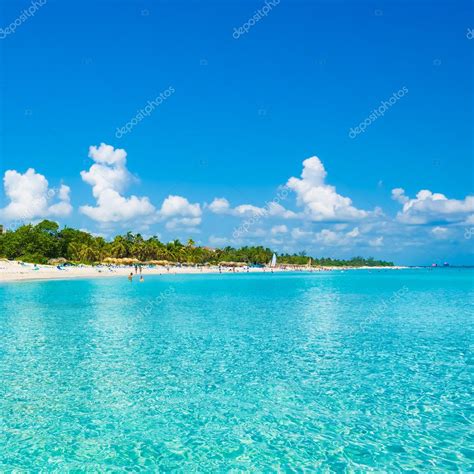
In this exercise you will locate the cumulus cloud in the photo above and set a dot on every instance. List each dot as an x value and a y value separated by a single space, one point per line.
298 234
277 210
440 232
181 212
219 241
430 207
109 177
377 242
319 200
279 229
354 232
335 236
223 207
398 194
179 206
271 209
470 219
219 206
188 223
328 237
31 197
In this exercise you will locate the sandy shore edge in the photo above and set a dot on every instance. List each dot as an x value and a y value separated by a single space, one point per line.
12 271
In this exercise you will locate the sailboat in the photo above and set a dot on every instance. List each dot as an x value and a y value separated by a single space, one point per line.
274 261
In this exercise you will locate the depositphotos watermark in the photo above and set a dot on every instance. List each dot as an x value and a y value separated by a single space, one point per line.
145 112
161 298
470 33
378 112
468 233
22 17
258 15
382 306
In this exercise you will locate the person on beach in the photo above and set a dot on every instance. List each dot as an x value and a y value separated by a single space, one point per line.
130 277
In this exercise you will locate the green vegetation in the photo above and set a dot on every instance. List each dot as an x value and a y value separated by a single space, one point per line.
45 241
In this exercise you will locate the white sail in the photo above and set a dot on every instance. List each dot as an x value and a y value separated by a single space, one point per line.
274 260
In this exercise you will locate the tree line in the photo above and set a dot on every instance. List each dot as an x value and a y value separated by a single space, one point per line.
46 241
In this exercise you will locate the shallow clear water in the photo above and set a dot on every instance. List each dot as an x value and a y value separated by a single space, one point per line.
272 372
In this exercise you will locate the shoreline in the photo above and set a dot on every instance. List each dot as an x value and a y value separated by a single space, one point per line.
14 271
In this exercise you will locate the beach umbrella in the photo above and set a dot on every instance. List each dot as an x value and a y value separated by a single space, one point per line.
233 264
57 261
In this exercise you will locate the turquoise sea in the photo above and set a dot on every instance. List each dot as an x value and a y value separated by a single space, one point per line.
334 371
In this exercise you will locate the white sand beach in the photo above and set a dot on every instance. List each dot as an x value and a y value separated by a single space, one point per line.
11 271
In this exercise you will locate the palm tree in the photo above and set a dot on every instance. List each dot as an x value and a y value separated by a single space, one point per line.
74 250
118 248
88 254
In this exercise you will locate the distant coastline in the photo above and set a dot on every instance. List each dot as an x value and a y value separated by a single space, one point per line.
46 243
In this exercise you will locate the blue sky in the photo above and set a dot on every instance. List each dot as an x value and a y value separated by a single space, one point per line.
244 114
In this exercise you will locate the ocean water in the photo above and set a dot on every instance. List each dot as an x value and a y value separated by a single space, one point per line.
334 371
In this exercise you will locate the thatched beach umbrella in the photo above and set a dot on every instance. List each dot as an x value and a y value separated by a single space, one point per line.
122 261
233 264
159 262
57 261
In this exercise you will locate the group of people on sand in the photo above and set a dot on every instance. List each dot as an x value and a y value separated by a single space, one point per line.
138 268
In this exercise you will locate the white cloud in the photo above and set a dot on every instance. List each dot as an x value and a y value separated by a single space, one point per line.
469 220
109 177
377 242
219 241
272 209
277 210
181 212
430 207
179 206
319 200
279 229
335 236
398 194
30 197
188 223
328 237
440 232
219 206
354 232
222 206
299 234
247 210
